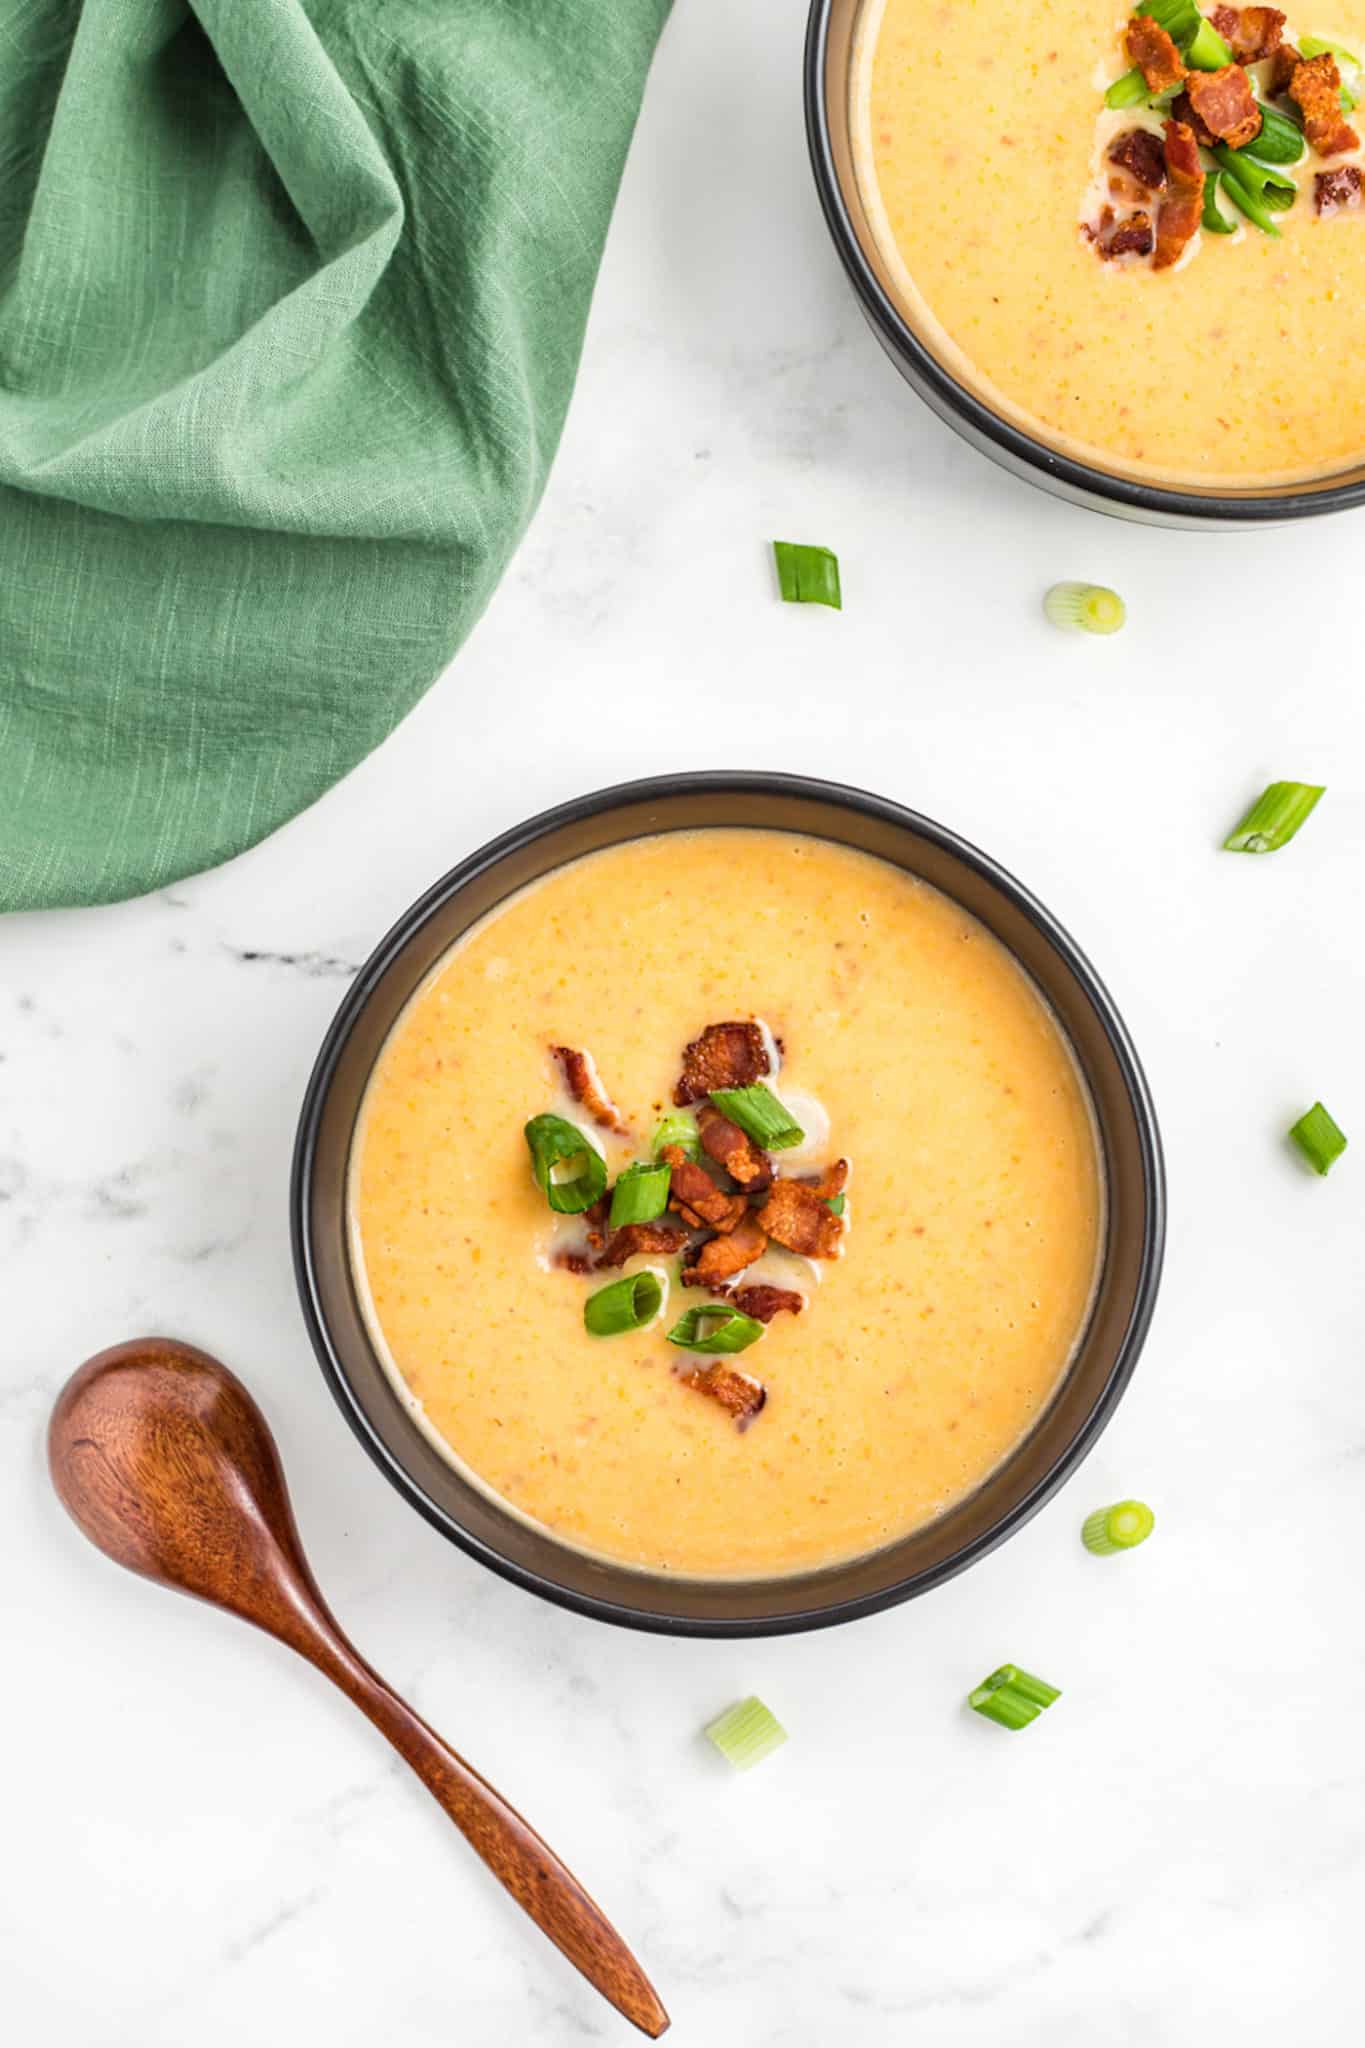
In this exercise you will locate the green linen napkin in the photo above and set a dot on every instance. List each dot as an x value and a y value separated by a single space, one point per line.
291 300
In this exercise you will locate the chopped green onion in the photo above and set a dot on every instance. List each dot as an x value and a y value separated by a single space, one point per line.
1128 91
1318 46
807 575
1207 50
640 1195
626 1305
1012 1697
557 1144
838 1203
715 1329
1320 1140
1121 1527
1346 99
746 1733
759 1115
1084 608
1279 142
1255 189
1274 818
1214 220
1179 18
678 1128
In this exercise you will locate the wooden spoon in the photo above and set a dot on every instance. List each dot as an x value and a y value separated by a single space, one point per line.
162 1457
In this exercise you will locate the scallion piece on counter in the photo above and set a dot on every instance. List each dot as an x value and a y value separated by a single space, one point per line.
1128 91
1214 220
1274 818
1207 50
640 1195
745 1733
715 1330
1121 1527
557 1147
838 1203
626 1305
807 575
678 1128
760 1116
1084 608
1318 46
1279 142
1319 1138
1012 1697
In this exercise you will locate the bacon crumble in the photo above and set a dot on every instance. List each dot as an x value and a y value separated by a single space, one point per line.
733 1149
661 1239
1336 191
580 1075
1182 109
733 1055
1131 237
1251 33
693 1193
1315 87
1138 151
1178 216
720 1258
1154 53
1284 62
1225 104
736 1392
800 1218
763 1303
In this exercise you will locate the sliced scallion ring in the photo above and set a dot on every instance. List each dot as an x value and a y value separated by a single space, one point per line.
640 1194
627 1304
715 1330
1319 1137
1274 818
1121 1527
1207 50
745 1733
1128 91
838 1203
760 1116
1084 608
557 1146
678 1128
1012 1697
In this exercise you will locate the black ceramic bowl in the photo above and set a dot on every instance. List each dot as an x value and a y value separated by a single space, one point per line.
829 53
530 1556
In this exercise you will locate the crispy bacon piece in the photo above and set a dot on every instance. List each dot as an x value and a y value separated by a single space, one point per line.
736 1392
1283 64
663 1239
800 1218
1337 191
1177 219
720 1258
725 1056
1226 104
580 1074
1316 87
828 1184
1138 151
1132 237
1182 109
693 1193
1250 32
1154 53
733 1149
763 1303
573 1262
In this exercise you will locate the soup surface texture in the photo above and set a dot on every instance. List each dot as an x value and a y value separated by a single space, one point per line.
974 1206
976 125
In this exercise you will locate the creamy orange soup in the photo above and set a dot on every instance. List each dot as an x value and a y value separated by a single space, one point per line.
915 1046
978 125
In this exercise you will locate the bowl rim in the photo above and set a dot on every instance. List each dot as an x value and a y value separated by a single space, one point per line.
1023 451
654 789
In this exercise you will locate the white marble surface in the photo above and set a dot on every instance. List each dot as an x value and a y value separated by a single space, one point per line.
199 1843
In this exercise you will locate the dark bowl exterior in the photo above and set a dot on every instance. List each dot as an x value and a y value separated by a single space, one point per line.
530 1556
829 46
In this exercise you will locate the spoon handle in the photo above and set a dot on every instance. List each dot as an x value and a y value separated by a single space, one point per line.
527 1866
